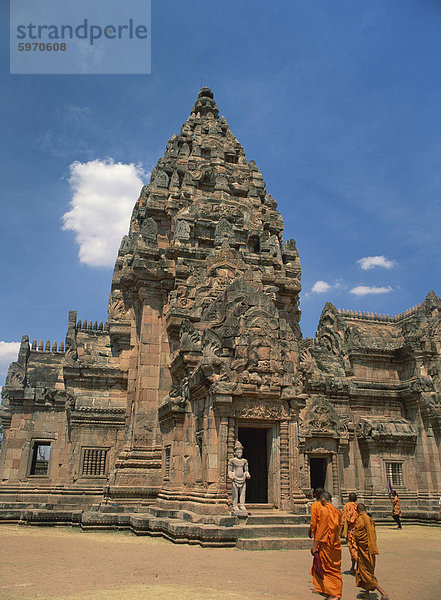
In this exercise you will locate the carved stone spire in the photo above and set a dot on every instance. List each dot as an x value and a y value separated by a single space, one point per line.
205 104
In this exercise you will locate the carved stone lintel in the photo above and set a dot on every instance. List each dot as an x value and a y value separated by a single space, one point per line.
376 429
251 409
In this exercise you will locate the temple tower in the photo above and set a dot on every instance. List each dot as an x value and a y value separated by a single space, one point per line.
205 294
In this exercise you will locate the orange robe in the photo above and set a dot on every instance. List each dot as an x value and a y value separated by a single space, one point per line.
349 515
366 538
315 509
327 540
396 509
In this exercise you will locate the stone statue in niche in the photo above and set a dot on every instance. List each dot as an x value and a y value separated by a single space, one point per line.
161 179
149 230
223 231
238 473
182 232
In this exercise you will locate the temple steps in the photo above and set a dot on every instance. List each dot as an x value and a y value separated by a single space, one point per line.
276 518
36 506
274 530
273 544
40 516
176 530
409 517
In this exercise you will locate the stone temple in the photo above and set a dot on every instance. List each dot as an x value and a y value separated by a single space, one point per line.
131 424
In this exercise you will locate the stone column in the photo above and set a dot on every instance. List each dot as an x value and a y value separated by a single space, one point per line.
343 448
222 453
232 435
335 477
285 503
294 458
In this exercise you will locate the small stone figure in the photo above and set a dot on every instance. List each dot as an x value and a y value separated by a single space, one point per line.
238 473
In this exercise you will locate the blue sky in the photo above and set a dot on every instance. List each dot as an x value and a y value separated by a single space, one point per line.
338 104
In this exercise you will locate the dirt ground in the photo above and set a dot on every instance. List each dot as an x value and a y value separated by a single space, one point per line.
68 564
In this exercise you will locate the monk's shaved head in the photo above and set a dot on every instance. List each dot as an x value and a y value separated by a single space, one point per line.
352 497
318 492
325 496
361 507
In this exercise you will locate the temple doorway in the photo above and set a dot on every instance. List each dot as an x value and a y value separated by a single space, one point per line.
318 468
255 443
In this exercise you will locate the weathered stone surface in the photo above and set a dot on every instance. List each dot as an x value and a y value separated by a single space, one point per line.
202 346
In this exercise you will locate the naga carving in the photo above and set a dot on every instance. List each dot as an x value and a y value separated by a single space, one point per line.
16 377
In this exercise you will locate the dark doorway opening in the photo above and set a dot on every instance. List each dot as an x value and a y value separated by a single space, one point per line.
317 469
255 443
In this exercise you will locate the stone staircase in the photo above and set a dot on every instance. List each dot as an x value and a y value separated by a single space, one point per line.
421 510
264 529
274 530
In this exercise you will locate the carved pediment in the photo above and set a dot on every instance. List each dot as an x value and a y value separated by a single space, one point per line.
380 428
321 419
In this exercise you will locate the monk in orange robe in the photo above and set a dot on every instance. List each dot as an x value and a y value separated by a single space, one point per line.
327 543
315 509
396 509
366 538
349 516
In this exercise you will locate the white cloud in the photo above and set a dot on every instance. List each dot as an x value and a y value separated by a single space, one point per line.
320 287
370 262
104 194
363 290
8 354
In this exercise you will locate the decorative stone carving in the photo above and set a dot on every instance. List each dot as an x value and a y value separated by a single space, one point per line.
205 105
222 183
254 409
211 344
69 402
125 246
149 230
269 244
16 377
182 231
386 429
430 405
353 337
189 336
321 418
116 305
161 179
188 180
223 232
53 397
71 352
290 247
